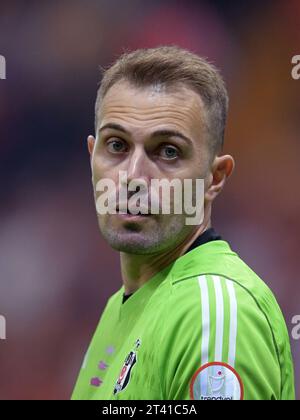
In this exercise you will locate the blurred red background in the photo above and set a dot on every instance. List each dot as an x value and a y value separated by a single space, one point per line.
56 270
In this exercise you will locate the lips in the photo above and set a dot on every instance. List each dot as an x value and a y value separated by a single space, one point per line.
143 212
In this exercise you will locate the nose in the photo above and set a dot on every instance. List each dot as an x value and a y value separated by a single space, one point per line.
138 166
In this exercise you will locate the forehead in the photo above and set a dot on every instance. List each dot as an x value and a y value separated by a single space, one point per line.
144 108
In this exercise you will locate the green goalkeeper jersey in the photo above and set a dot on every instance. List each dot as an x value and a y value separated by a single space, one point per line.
205 328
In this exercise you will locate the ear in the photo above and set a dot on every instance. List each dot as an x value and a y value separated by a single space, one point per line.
222 168
91 143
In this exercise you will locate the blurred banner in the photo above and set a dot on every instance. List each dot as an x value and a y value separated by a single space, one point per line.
56 270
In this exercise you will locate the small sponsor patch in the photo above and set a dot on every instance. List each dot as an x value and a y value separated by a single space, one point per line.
216 381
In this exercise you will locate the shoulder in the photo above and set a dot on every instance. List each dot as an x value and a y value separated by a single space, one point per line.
241 308
213 274
218 311
245 297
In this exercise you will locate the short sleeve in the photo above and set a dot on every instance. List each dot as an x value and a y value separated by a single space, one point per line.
217 344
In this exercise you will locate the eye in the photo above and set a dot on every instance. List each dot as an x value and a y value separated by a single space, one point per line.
169 152
116 146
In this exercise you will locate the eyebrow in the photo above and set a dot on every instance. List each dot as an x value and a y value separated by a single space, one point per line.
113 126
157 133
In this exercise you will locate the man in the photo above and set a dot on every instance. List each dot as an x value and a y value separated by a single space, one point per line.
192 320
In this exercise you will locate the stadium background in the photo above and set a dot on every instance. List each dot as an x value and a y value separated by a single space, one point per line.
56 272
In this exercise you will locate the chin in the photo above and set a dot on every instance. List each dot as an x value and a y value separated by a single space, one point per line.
132 243
141 239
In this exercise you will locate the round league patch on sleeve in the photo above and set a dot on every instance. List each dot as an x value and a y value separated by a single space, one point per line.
216 381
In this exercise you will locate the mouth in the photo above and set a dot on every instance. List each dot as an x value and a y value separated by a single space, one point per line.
132 216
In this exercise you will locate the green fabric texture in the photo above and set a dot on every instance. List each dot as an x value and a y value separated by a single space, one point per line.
207 314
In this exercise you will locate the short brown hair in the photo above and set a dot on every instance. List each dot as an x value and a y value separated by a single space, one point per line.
171 65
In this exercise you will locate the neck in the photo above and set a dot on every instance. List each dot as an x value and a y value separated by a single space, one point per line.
138 269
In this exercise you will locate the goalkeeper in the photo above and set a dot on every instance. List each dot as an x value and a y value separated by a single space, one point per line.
191 320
